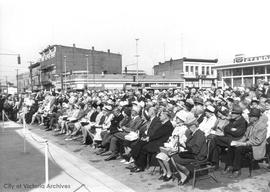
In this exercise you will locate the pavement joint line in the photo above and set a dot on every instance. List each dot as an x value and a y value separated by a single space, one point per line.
101 178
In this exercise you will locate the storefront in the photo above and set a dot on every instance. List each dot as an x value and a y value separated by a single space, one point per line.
245 71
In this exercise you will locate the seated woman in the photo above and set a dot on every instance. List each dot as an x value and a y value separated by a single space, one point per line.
195 149
179 136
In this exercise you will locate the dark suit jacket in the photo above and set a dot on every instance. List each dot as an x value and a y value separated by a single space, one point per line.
134 124
154 125
196 145
159 137
241 127
115 123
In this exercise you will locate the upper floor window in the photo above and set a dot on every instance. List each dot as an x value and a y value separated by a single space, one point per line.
187 69
203 70
207 70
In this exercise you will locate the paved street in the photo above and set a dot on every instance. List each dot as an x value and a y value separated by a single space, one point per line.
80 162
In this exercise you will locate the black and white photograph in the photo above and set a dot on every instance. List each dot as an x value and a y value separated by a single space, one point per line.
134 96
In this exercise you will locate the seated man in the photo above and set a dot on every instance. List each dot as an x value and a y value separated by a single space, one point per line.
153 142
234 131
195 149
254 141
132 126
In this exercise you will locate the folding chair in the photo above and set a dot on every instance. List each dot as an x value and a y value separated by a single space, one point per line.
249 156
204 165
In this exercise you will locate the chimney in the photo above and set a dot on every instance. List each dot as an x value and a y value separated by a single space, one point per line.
109 51
93 48
74 45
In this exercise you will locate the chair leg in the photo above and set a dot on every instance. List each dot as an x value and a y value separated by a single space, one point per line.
194 179
250 167
152 172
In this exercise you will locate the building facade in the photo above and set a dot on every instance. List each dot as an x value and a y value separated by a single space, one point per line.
24 83
198 73
79 80
35 76
58 60
244 71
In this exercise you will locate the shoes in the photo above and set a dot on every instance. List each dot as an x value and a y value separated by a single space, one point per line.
111 157
100 151
131 167
166 178
235 174
123 161
228 170
136 170
162 177
129 162
68 139
184 179
106 153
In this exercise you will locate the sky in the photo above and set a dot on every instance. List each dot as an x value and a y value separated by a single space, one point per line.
166 29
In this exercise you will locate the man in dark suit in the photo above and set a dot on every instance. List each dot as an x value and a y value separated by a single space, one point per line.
154 141
234 131
153 125
133 126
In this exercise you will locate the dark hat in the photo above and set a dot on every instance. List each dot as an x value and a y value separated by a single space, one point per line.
266 83
230 99
94 105
236 109
254 112
198 100
254 99
267 101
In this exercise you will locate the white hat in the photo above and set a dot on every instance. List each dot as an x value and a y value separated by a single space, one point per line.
108 108
210 108
182 115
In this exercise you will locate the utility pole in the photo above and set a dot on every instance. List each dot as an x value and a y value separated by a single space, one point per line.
65 63
17 80
137 60
87 68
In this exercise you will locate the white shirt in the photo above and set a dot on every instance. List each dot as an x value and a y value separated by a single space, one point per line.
207 124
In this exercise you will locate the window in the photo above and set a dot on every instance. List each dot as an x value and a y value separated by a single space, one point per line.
187 69
207 70
248 71
259 70
212 71
237 71
196 69
203 70
191 69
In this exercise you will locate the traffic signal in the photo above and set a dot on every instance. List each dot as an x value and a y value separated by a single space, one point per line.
19 59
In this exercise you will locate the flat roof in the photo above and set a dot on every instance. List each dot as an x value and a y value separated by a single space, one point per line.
242 65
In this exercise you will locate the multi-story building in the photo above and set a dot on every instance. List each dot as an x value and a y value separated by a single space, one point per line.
59 60
195 72
24 83
35 79
244 71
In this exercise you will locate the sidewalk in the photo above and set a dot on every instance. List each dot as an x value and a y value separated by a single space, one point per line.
25 171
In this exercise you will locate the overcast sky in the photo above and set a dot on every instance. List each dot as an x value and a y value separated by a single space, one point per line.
191 28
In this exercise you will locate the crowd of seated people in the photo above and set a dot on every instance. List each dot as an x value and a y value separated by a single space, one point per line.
158 127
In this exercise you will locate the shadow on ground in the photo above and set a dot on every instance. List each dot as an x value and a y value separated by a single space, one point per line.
21 171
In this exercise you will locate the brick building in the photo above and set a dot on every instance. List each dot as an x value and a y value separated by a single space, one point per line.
195 72
24 82
59 60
